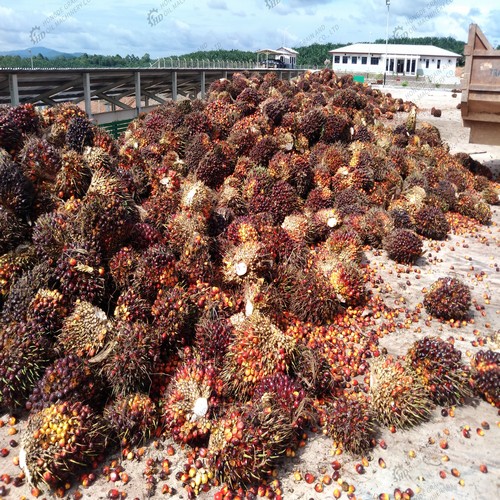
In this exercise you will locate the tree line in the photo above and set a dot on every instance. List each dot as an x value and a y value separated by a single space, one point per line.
313 55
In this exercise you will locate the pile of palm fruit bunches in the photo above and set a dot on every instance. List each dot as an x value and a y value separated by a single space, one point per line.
199 277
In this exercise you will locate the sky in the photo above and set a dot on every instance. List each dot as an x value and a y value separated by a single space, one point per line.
175 27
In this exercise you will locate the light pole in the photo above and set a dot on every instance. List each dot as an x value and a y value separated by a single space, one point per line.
388 3
31 57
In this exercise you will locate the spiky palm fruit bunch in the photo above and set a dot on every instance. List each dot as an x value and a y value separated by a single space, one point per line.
173 314
336 128
403 246
282 200
122 266
375 226
248 101
40 161
197 197
133 418
130 307
398 395
16 190
25 118
470 204
312 370
344 244
259 349
274 109
128 361
70 379
11 138
196 148
347 282
59 441
156 268
247 441
212 339
217 164
311 124
12 230
491 194
431 223
485 372
448 298
263 150
401 219
80 134
85 332
319 198
188 406
80 273
195 261
12 265
96 158
291 398
308 295
245 262
439 365
47 311
23 357
73 178
349 423
298 227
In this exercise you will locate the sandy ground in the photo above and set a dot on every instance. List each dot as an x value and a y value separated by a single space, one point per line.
413 458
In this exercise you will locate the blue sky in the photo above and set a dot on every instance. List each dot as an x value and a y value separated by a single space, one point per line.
173 27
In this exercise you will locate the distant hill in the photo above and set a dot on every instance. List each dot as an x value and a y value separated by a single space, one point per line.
44 51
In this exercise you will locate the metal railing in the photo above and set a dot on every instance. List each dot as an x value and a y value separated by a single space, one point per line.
188 63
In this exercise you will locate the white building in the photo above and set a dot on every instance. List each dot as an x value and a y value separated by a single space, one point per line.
283 57
423 60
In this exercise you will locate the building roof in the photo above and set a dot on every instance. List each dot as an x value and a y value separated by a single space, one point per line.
286 49
269 51
397 49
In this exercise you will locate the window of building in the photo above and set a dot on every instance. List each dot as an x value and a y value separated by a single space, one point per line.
374 61
449 60
364 60
439 63
354 59
336 59
345 59
427 64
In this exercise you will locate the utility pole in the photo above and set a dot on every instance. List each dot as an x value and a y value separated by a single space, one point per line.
386 63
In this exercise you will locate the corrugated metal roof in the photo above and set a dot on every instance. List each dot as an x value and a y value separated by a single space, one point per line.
397 49
287 49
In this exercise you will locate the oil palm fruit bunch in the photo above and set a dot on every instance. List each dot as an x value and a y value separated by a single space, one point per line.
246 442
12 230
349 423
485 371
448 298
470 204
47 311
397 394
290 398
73 178
173 314
80 134
85 332
133 418
403 246
212 338
80 272
61 440
127 362
69 378
24 356
259 349
188 406
431 223
311 368
17 192
439 365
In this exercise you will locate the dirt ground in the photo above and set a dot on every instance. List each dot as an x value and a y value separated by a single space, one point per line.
413 459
